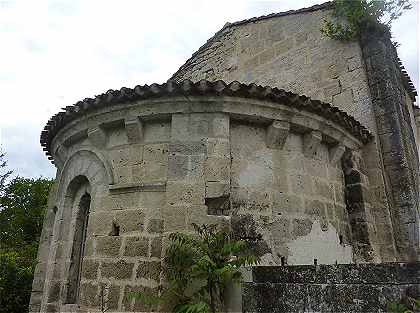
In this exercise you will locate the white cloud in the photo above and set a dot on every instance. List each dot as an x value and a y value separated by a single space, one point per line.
56 52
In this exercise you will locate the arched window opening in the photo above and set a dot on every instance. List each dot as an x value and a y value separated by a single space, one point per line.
79 240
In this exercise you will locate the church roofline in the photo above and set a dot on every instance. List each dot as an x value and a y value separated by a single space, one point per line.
201 88
408 84
325 5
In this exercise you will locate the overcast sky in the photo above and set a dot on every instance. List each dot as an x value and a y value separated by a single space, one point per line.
54 53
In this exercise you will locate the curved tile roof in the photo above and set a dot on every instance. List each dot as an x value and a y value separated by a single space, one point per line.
201 88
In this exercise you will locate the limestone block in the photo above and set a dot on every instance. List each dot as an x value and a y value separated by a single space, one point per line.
311 141
108 246
100 223
54 291
88 294
137 173
300 183
344 99
39 277
280 181
118 270
185 193
323 189
336 153
156 152
135 154
174 218
122 174
119 157
277 134
136 247
134 129
180 127
283 46
156 247
155 226
88 250
199 215
154 171
184 167
316 168
217 189
217 169
90 269
113 297
149 270
97 137
159 131
220 126
286 204
130 220
187 147
219 147
301 227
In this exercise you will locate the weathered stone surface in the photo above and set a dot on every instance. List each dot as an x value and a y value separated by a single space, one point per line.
135 246
149 270
303 182
333 288
117 270
108 246
90 269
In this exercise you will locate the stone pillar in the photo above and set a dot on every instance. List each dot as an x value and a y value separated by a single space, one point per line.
396 137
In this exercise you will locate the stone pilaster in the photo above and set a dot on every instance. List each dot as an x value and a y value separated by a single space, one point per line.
396 137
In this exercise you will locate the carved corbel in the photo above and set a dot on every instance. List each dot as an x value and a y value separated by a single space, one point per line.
277 134
336 153
134 129
60 156
97 136
311 142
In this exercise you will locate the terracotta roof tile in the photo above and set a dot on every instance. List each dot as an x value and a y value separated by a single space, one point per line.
201 88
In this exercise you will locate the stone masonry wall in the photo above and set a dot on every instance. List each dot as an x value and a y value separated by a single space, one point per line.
269 172
366 288
290 52
295 196
287 52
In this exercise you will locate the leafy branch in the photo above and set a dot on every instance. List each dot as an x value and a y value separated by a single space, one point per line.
351 18
407 305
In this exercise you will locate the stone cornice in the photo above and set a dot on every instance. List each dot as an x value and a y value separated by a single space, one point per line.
201 89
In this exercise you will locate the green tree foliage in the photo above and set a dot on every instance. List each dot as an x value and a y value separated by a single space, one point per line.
197 269
22 206
407 305
4 173
351 18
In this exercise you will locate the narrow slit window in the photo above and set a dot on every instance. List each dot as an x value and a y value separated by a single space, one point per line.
79 240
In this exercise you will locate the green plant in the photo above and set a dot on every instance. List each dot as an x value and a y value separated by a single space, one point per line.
22 206
197 269
407 305
351 18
